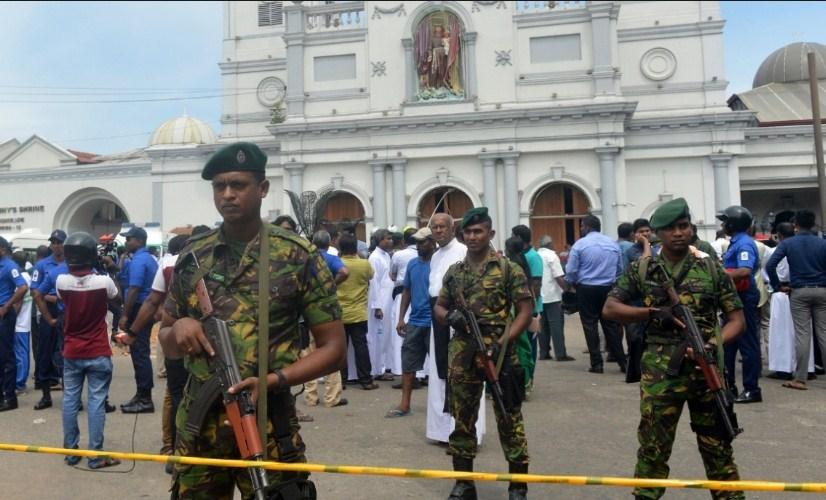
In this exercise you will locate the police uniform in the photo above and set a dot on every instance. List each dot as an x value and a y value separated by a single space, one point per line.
703 286
742 252
301 285
45 356
50 347
10 280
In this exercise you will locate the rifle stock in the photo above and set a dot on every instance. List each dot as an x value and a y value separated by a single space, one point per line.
240 409
707 361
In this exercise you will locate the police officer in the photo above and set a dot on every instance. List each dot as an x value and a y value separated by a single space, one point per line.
47 355
704 288
491 287
741 262
50 347
300 286
12 289
138 279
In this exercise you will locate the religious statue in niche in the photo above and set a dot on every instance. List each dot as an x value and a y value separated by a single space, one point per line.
438 57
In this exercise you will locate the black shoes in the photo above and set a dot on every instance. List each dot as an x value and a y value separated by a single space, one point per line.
8 404
749 397
341 402
109 408
517 491
595 369
141 405
43 404
463 490
565 358
780 376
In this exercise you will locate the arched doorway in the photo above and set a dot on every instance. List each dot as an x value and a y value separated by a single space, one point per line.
447 200
342 209
92 210
556 211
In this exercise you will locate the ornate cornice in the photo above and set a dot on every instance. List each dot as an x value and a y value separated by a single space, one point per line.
253 66
739 119
469 119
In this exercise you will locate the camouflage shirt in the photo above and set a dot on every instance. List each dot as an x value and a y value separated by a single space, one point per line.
490 293
702 290
300 285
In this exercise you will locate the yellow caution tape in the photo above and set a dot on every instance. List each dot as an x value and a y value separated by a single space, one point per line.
435 474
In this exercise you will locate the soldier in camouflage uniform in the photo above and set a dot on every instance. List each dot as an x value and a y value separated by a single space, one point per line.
491 288
702 285
300 285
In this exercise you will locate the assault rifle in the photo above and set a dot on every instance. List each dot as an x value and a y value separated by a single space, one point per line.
239 406
707 361
484 357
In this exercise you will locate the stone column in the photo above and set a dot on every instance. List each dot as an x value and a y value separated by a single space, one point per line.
470 59
511 191
608 189
602 36
296 176
379 205
490 198
294 40
399 197
410 70
722 189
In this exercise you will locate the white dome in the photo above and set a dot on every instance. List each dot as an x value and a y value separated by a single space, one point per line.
790 64
182 130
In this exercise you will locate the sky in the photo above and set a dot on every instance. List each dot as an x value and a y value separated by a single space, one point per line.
164 55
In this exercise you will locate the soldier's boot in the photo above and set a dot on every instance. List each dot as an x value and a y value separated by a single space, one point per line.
463 490
46 400
517 491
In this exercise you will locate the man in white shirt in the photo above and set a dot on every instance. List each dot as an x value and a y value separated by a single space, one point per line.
439 423
398 268
380 331
553 321
23 326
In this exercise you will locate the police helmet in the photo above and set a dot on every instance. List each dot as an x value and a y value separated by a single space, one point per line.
80 249
736 219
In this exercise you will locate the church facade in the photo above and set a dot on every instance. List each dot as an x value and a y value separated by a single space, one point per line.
542 111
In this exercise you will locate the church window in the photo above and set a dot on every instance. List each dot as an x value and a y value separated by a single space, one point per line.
270 13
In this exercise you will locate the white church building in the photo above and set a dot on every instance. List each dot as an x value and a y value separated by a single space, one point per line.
541 111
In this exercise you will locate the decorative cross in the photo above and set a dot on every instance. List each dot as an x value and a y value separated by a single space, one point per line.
503 57
379 68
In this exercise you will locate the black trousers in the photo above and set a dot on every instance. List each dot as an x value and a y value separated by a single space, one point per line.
590 299
357 334
176 377
441 337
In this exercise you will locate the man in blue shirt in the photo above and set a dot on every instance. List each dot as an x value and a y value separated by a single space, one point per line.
139 277
12 289
416 330
593 266
321 239
806 255
741 262
51 310
48 357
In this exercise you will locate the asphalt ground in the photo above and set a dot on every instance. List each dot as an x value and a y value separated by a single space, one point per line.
577 423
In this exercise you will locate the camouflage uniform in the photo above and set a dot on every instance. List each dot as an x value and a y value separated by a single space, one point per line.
301 285
662 397
491 298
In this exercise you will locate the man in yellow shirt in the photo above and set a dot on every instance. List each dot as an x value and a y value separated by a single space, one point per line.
352 296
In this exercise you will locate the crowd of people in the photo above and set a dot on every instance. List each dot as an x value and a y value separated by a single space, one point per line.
406 304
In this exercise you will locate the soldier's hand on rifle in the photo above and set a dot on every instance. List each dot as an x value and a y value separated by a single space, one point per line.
190 337
494 351
250 384
456 319
689 352
666 317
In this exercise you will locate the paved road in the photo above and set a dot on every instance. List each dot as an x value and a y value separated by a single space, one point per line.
577 423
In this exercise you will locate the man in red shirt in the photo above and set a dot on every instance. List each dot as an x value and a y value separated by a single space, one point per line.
86 352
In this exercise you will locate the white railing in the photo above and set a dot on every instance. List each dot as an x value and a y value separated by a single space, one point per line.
335 17
525 6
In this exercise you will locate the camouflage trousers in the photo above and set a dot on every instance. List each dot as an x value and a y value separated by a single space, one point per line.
216 440
465 389
661 402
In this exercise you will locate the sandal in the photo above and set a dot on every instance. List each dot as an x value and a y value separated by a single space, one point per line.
796 384
396 413
100 463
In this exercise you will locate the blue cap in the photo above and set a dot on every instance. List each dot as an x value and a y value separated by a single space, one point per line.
58 235
135 232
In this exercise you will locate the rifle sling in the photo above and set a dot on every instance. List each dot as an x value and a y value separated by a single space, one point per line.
263 331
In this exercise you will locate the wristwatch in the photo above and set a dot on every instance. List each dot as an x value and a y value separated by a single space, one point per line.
282 381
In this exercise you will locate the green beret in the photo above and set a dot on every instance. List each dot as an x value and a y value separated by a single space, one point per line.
474 213
237 157
668 213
